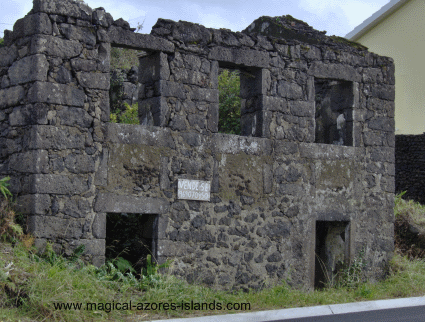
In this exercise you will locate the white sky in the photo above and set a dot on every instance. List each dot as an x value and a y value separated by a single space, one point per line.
337 17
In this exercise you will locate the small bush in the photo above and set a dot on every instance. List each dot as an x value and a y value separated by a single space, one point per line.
129 116
353 275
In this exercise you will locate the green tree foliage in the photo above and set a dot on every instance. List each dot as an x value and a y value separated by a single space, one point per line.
129 116
123 58
1 42
229 102
121 61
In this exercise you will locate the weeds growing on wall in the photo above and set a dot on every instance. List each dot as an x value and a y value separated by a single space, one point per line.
352 275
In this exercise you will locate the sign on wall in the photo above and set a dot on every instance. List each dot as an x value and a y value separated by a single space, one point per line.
193 190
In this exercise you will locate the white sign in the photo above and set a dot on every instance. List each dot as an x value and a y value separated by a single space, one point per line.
193 189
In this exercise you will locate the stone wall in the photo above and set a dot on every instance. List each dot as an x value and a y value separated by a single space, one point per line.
276 193
410 166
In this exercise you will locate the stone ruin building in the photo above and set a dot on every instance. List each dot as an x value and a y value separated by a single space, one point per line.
309 182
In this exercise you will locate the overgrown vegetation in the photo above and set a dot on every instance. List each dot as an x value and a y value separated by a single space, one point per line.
129 116
123 58
409 227
229 102
33 286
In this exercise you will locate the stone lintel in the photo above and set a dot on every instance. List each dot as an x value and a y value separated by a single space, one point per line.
244 57
109 202
139 134
119 37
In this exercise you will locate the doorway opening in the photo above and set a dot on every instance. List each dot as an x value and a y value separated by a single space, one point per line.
331 251
131 237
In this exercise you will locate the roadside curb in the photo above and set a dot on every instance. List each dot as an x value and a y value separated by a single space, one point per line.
294 313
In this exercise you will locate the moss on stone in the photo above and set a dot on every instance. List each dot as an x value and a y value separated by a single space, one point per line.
241 172
345 41
336 174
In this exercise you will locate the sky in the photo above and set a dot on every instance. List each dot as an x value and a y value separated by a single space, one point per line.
337 17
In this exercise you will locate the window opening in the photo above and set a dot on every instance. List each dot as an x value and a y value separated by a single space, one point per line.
123 93
229 85
132 237
331 251
334 112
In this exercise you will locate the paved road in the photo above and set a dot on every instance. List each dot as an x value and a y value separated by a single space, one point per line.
409 314
396 310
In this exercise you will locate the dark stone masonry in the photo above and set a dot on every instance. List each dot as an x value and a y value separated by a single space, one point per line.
410 166
312 172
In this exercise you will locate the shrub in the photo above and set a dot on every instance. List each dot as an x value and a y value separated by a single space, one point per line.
229 102
129 116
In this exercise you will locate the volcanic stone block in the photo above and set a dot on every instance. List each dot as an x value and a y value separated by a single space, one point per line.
372 138
108 202
244 57
61 94
334 71
77 9
55 184
102 18
382 124
226 143
99 226
153 68
94 80
11 96
94 247
52 227
289 90
383 154
144 135
204 94
35 161
166 88
385 92
37 204
38 23
302 108
101 176
82 34
8 55
128 39
76 208
28 69
153 111
54 46
72 116
54 137
77 163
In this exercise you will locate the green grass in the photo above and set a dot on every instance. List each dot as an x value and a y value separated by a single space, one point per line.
410 209
32 284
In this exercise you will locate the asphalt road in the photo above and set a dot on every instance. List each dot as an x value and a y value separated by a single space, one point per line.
409 314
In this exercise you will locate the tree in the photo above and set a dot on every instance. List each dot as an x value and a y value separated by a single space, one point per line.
229 102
